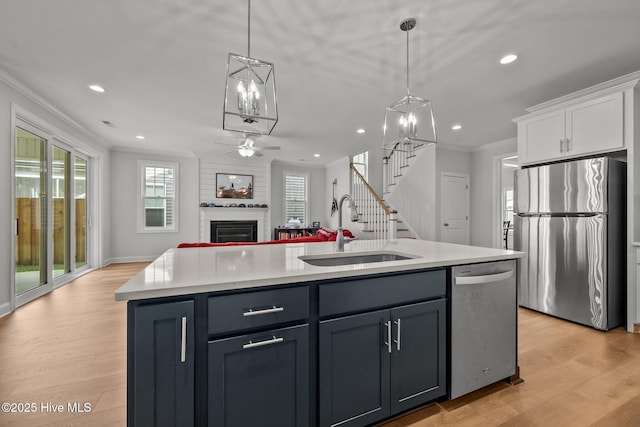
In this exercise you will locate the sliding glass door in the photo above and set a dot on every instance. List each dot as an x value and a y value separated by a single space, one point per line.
50 210
80 205
61 198
31 211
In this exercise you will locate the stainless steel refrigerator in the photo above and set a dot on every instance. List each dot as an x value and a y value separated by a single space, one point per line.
570 219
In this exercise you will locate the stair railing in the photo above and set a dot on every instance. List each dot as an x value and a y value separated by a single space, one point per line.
397 160
377 217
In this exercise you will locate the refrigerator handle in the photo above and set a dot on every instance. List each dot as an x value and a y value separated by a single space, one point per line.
561 146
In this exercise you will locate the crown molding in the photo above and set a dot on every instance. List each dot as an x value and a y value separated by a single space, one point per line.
143 150
614 85
16 85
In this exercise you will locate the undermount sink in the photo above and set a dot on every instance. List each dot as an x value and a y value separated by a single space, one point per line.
331 260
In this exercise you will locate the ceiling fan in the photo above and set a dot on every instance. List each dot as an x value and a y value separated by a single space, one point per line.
248 148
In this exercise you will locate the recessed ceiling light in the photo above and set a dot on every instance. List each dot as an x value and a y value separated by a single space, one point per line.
361 130
96 88
316 155
508 59
456 127
139 136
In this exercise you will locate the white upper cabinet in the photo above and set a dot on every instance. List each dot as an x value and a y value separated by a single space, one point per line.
595 125
541 138
581 127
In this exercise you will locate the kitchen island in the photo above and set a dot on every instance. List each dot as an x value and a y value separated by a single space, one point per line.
257 335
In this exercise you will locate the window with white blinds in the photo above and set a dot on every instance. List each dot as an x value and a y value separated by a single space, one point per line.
158 197
295 196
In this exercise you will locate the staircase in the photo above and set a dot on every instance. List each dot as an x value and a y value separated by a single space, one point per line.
379 220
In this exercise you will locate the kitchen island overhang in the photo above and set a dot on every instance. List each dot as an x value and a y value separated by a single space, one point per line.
213 269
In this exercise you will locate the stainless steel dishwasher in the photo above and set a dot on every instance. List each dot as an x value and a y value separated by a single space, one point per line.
483 325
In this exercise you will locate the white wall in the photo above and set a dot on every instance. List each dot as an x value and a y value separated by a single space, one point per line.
414 196
483 212
376 170
340 171
12 92
318 209
449 159
127 244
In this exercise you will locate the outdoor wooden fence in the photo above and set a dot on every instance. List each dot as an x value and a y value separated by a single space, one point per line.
28 246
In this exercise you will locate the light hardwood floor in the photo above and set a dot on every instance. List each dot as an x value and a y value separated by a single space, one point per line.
69 346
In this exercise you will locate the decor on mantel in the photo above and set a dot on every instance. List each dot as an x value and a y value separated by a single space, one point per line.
233 186
250 103
234 205
408 121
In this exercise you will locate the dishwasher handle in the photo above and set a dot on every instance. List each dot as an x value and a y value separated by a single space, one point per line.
485 278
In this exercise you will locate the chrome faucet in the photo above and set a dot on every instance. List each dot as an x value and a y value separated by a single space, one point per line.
354 218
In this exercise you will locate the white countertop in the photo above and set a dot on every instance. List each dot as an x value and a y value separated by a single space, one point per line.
195 270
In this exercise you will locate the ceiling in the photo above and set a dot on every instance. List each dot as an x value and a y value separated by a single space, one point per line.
338 64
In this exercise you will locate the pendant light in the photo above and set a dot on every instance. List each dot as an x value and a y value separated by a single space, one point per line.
250 104
408 122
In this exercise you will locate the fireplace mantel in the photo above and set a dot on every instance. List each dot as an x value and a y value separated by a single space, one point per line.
230 214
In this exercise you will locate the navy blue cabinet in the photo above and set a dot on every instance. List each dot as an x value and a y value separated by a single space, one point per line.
354 369
418 356
260 379
341 352
163 365
378 364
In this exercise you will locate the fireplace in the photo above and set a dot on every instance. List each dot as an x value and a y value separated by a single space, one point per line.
209 215
234 231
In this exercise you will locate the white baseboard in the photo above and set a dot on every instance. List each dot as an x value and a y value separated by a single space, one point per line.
5 309
130 259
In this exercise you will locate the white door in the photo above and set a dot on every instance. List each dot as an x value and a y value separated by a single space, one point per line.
454 208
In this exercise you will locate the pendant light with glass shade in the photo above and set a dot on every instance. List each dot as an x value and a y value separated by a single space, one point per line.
408 122
250 104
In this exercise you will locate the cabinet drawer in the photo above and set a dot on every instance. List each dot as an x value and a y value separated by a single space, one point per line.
375 292
256 309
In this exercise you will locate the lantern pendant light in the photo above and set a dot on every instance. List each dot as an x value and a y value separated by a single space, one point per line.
250 103
408 122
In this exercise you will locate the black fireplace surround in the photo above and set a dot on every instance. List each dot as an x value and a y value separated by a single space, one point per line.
234 231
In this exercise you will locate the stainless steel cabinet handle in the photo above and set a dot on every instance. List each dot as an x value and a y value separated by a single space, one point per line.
274 309
486 278
183 338
397 341
388 341
252 344
561 145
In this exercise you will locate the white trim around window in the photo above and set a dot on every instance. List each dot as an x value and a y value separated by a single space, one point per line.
158 201
299 197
